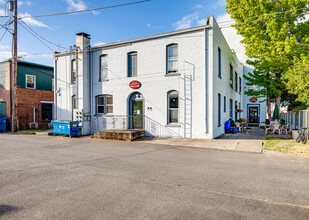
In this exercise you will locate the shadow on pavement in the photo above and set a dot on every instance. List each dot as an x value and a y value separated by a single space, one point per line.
5 209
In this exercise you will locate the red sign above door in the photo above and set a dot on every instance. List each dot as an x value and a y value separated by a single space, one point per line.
135 84
253 100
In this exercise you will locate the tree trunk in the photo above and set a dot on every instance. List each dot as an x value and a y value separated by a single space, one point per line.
268 104
278 100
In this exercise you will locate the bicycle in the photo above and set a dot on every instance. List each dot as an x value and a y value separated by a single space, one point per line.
301 136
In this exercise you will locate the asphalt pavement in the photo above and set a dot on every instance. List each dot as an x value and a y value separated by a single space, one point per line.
81 178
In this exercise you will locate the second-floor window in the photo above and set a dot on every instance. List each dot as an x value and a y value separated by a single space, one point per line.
219 62
30 82
231 76
236 82
73 71
239 85
132 64
103 67
172 58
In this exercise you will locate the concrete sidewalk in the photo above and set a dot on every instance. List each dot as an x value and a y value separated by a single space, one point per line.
248 141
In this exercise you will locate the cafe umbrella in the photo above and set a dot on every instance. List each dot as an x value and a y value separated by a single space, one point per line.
276 115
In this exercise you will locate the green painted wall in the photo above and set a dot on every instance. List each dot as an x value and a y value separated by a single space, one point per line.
44 75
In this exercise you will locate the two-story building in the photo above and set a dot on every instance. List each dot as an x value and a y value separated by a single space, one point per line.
185 83
34 94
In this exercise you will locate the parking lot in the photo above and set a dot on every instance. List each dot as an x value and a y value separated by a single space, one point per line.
81 178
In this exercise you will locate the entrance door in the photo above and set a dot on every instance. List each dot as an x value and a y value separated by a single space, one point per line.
138 122
253 115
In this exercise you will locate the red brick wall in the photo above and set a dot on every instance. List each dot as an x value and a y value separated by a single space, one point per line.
27 99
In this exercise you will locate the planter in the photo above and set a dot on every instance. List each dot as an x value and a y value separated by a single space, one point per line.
294 134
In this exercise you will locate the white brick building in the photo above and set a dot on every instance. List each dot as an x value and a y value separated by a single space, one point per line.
182 75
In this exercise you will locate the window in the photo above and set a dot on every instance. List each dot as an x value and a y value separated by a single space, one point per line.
172 58
231 76
104 104
74 102
103 67
239 85
172 98
219 110
73 71
30 82
132 64
231 108
236 82
236 107
224 107
47 111
219 62
253 88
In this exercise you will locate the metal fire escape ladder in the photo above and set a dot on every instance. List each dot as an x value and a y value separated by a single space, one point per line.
187 106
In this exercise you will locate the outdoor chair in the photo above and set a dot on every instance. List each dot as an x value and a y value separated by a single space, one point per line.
276 127
284 129
268 128
238 125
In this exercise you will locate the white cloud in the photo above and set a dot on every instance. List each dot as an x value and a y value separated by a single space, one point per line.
96 12
29 3
219 3
4 47
20 3
232 38
5 55
76 5
2 2
31 21
188 21
2 12
197 6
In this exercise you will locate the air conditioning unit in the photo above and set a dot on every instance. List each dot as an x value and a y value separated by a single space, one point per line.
33 125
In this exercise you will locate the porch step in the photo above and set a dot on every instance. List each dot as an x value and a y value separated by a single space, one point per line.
124 135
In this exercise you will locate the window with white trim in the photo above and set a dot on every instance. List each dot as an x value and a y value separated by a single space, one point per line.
132 64
30 81
104 104
103 67
73 71
172 98
172 58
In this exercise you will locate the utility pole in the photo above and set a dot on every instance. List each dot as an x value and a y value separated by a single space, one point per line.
14 69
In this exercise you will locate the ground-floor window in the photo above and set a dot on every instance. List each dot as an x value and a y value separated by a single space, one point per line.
104 104
47 111
236 111
231 108
219 110
172 98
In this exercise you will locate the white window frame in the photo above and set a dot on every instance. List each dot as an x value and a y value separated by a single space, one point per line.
168 59
105 105
172 92
101 78
73 66
130 69
34 81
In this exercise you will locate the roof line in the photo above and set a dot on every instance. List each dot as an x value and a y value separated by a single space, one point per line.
155 36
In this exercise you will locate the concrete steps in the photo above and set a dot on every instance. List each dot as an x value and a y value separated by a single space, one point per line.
124 135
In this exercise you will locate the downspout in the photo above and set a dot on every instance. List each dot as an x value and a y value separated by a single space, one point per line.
77 97
55 87
206 83
90 87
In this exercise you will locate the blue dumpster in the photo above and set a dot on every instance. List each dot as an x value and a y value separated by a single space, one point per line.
70 128
2 122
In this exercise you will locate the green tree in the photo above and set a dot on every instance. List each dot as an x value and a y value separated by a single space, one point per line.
298 80
274 34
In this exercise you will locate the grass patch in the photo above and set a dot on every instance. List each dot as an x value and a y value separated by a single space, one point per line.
32 131
285 146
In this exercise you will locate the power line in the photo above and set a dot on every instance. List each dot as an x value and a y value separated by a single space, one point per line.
86 10
43 37
35 36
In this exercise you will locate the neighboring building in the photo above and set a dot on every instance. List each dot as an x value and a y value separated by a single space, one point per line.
34 94
181 84
254 109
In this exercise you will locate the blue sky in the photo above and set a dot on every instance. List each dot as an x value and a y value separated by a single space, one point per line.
104 26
